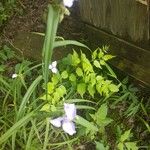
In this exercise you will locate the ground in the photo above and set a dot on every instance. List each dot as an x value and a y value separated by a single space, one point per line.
18 28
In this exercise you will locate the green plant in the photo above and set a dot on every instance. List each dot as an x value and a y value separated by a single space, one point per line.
124 143
6 9
33 111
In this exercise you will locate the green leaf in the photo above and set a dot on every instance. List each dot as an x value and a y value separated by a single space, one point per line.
120 146
99 78
113 88
102 112
72 77
111 71
85 107
50 87
91 90
79 72
75 59
94 54
79 100
99 146
97 64
46 108
131 145
44 97
81 89
69 42
61 91
55 79
106 121
100 54
86 65
87 78
16 127
102 62
26 97
86 123
52 24
2 68
107 57
56 98
64 75
125 136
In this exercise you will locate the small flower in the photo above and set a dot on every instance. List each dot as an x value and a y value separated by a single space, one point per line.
68 3
70 111
68 127
14 76
67 121
57 122
52 67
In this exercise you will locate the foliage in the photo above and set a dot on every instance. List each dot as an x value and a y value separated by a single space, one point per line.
36 95
7 8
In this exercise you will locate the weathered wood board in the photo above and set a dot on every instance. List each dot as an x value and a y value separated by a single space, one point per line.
128 19
125 26
133 60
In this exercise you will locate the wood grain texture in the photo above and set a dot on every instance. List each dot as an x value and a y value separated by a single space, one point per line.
131 59
127 19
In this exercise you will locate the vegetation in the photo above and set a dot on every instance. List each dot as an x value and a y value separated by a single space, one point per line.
7 8
37 94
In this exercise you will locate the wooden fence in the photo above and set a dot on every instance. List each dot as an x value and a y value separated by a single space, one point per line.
125 25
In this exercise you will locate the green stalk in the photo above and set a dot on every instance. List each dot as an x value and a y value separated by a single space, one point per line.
46 135
52 24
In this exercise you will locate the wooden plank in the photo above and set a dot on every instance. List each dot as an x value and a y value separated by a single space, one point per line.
127 19
131 59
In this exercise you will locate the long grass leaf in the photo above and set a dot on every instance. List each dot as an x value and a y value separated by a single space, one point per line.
15 127
30 137
85 123
52 24
27 96
46 135
79 101
85 107
69 42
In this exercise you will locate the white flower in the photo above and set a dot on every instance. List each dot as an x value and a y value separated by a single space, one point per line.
57 122
68 127
14 76
52 67
67 121
68 3
70 111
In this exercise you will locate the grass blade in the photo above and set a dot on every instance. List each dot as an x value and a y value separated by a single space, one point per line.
15 127
69 42
27 96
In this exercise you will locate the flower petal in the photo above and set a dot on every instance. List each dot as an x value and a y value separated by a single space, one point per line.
68 127
54 70
70 111
14 75
57 122
54 64
68 3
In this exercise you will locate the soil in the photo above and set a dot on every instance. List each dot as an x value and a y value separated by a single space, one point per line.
32 20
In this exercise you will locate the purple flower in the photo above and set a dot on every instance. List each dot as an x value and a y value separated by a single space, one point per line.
70 111
66 121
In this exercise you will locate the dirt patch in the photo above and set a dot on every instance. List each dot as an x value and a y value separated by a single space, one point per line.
32 19
29 20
